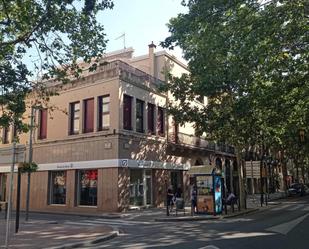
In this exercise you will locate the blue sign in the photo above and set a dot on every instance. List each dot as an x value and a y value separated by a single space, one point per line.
218 194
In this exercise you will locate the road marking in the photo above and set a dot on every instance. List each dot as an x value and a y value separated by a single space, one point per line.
306 208
281 207
209 247
296 207
285 228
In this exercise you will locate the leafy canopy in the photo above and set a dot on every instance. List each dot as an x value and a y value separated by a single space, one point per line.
54 34
250 58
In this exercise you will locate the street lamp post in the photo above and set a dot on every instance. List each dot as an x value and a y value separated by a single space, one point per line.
301 133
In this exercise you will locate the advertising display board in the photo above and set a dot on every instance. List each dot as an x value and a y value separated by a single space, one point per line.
218 194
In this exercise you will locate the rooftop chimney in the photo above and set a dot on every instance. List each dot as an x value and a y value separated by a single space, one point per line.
152 48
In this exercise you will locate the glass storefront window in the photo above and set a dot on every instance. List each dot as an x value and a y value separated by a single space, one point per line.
2 187
88 184
58 187
136 188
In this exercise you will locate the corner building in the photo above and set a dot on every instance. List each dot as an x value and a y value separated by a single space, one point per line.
108 145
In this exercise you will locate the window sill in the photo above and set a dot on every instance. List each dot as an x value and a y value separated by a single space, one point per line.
85 206
57 205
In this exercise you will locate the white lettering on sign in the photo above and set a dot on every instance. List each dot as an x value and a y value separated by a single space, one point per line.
65 166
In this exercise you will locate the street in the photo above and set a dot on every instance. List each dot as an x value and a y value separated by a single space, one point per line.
283 226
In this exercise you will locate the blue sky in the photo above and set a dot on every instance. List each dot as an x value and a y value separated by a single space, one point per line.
142 21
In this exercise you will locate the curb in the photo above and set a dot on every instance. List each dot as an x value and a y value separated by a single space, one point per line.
241 213
101 239
187 218
198 218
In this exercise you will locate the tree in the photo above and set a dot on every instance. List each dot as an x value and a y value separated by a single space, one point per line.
53 35
250 58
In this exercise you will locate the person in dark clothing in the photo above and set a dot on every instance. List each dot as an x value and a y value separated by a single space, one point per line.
194 199
169 200
178 192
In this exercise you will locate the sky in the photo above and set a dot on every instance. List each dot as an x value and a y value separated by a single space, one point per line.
142 21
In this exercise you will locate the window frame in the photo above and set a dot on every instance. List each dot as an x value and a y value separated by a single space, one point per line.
78 188
51 187
139 115
101 113
73 117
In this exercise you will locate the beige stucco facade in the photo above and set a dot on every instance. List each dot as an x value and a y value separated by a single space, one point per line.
117 155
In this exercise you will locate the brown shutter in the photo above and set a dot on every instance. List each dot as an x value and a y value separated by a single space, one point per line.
160 121
127 111
43 124
88 115
150 118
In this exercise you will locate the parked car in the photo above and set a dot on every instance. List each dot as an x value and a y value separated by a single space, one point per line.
298 189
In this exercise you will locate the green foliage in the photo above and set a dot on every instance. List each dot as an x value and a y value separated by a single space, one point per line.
28 167
250 58
54 34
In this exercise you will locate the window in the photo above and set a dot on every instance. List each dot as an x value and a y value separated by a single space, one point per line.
43 124
6 135
160 121
87 190
139 116
104 116
2 187
150 119
74 118
57 187
88 115
127 112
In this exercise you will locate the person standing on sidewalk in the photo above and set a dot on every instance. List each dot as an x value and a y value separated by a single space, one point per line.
169 200
194 200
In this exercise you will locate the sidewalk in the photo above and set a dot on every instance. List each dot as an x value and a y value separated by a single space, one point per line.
47 234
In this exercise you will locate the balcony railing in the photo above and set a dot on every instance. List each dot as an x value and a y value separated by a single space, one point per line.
198 142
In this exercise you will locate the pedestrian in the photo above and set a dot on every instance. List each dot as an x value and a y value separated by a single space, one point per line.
169 200
178 192
194 200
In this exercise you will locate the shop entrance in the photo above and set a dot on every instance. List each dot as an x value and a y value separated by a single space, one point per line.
140 187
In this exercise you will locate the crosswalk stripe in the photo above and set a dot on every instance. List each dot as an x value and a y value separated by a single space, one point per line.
281 207
296 207
306 208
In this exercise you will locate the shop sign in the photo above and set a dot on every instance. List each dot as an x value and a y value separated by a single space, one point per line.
124 163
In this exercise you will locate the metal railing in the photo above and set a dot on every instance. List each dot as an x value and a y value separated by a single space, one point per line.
198 142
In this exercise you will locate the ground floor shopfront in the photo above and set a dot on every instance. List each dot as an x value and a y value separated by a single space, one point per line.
97 186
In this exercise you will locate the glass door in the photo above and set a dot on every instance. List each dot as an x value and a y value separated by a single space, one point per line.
148 184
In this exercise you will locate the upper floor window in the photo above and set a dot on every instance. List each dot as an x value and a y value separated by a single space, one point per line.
74 118
127 112
160 121
150 118
6 135
88 115
42 124
104 112
139 115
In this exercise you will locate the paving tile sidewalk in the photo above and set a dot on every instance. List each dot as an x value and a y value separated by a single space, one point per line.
45 234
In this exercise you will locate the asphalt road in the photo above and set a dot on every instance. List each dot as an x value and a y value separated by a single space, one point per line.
284 226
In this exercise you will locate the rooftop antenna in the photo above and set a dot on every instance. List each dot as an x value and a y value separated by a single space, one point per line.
123 36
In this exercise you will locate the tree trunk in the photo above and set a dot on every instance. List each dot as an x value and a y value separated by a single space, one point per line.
241 179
